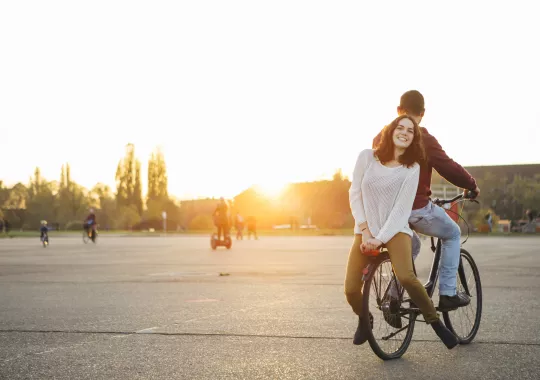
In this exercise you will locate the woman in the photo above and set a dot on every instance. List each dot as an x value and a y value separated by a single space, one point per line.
381 197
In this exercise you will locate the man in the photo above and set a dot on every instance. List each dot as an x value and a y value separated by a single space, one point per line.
428 219
221 218
489 221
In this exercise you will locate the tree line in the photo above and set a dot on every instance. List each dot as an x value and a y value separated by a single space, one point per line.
64 204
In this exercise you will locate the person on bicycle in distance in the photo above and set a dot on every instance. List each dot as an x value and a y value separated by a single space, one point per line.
381 195
90 220
44 230
431 220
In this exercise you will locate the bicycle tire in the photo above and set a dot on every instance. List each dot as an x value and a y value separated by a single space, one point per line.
85 237
375 346
448 316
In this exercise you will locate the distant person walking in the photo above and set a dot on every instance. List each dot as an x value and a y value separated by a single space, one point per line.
239 225
489 221
252 227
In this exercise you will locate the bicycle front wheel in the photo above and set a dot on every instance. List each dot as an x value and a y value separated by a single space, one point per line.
465 321
387 341
85 236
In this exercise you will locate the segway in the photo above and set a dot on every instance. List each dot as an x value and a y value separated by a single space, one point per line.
216 242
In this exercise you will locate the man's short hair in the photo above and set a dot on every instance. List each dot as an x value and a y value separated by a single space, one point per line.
412 102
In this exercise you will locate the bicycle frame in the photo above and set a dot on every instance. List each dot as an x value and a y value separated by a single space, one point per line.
434 271
437 249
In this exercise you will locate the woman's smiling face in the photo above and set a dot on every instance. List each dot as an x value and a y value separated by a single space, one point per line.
403 134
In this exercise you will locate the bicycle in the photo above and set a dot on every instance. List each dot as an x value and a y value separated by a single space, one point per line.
45 240
379 276
89 233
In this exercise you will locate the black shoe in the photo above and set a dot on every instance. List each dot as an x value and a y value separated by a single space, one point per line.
361 335
447 336
391 314
448 303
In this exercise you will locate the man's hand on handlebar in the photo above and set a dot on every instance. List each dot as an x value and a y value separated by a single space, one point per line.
472 194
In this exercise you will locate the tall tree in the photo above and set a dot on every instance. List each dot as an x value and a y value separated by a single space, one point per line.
36 183
128 181
137 189
102 196
63 178
157 177
41 200
152 180
71 201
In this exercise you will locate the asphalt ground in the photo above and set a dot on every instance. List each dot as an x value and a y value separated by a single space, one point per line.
158 308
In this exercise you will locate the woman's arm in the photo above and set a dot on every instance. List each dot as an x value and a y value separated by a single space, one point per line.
355 192
399 216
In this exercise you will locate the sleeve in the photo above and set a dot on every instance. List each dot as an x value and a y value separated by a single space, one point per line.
401 210
355 191
446 167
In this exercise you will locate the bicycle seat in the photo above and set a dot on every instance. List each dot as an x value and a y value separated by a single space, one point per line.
375 252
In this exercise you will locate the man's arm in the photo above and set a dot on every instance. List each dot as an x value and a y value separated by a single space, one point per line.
445 166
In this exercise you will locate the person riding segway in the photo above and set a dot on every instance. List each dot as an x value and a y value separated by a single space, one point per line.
222 223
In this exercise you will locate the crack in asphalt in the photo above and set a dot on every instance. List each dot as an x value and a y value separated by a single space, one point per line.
126 333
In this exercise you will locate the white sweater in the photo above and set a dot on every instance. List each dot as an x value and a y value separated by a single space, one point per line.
382 196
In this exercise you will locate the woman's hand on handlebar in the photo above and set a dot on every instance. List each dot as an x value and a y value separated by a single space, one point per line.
371 244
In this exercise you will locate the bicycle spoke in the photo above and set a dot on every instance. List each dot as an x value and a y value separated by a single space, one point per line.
395 333
388 341
465 321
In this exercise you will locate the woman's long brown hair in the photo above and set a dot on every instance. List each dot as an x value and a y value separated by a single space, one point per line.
414 153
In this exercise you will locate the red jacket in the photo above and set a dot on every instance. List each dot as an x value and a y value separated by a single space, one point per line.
445 166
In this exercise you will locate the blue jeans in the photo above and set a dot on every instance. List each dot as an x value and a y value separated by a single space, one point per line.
433 221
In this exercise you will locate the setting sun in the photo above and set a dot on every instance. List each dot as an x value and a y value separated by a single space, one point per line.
270 190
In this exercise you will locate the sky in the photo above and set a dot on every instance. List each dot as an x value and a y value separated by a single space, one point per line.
238 93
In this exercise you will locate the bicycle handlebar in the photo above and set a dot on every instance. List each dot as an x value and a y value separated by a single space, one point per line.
467 194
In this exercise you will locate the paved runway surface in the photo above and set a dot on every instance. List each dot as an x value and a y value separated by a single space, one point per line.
157 308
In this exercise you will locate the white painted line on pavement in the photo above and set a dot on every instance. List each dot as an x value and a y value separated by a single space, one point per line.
149 330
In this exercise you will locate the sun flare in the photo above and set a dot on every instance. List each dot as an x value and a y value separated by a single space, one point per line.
270 190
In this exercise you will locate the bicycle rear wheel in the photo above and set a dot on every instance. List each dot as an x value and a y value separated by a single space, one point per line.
465 321
386 341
